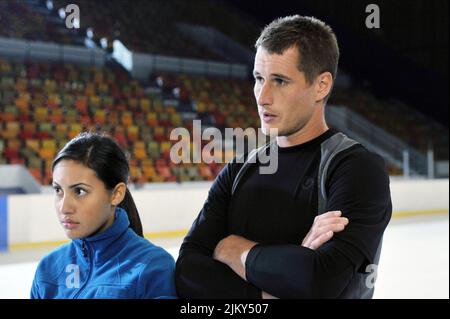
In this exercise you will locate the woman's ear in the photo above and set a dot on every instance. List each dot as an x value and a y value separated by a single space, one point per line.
118 194
324 85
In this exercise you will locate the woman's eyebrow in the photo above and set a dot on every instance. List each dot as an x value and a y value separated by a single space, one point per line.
74 185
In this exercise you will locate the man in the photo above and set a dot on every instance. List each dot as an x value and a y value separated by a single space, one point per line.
267 235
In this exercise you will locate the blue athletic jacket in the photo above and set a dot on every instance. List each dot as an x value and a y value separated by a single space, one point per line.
116 263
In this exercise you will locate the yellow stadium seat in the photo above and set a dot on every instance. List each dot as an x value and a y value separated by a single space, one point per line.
99 116
176 119
95 101
158 179
33 144
74 130
139 153
148 172
49 144
46 127
152 119
127 118
53 100
145 105
47 154
12 129
166 146
135 172
40 114
153 149
147 162
139 144
133 133
61 131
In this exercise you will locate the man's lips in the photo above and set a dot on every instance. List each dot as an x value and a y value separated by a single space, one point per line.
268 117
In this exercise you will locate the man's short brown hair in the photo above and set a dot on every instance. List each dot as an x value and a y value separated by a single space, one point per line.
315 41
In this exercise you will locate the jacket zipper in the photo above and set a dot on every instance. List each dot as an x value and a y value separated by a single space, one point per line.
85 250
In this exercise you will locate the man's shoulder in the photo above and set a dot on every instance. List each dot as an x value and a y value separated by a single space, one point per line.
358 160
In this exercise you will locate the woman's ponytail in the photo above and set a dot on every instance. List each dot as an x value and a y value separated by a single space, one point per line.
130 207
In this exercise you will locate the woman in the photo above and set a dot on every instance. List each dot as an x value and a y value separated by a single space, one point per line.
108 256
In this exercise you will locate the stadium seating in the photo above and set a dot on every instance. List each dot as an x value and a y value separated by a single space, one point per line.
42 114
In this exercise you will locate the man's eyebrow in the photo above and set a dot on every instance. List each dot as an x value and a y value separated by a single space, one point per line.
276 75
74 185
281 76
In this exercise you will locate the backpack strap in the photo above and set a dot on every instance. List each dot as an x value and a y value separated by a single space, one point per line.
329 149
251 159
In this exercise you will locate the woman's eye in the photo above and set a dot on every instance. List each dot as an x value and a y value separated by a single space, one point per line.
57 190
80 192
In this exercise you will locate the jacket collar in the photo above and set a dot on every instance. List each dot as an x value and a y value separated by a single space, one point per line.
97 246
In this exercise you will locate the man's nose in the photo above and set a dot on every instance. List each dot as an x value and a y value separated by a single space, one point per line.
265 95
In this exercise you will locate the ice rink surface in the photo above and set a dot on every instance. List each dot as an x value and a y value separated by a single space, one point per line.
414 261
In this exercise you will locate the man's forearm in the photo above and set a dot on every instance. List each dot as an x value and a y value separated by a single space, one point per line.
200 276
291 271
232 251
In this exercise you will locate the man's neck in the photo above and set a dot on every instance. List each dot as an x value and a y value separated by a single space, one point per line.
314 128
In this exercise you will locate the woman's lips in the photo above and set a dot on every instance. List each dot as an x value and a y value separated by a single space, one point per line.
70 224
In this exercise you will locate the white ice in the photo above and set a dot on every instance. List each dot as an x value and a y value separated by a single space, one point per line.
414 261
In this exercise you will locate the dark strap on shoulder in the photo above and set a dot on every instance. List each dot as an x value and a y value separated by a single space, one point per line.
329 149
251 159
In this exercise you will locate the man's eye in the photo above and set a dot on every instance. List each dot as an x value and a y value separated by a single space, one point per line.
258 78
280 82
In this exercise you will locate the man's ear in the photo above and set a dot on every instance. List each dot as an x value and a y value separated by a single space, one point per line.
324 83
118 194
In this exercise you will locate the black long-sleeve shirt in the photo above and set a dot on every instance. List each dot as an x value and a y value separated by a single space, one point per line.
277 211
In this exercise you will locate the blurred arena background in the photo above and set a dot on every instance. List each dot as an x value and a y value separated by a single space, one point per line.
138 69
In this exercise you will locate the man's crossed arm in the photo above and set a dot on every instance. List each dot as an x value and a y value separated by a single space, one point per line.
233 249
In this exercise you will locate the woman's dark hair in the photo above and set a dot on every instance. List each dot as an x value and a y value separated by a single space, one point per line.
103 155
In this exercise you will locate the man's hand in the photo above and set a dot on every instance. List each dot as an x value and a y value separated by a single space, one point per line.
265 295
323 228
233 251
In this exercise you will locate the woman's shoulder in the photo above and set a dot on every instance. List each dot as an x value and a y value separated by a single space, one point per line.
144 249
56 259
